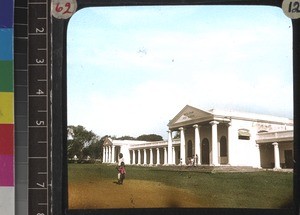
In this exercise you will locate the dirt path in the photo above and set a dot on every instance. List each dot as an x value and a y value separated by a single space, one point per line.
132 194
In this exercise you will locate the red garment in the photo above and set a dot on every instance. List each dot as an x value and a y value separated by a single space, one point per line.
122 170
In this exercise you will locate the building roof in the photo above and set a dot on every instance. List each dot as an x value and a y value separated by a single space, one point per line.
109 141
251 116
189 115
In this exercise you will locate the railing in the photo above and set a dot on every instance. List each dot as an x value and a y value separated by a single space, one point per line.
280 135
153 144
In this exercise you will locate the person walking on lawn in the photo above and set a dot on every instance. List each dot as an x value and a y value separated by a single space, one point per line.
122 173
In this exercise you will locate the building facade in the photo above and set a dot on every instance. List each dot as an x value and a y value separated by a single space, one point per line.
213 138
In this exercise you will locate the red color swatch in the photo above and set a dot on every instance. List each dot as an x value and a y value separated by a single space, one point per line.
6 139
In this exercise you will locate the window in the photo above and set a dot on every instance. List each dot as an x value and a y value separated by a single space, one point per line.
244 134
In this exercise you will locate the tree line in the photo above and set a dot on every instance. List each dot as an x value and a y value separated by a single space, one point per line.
86 144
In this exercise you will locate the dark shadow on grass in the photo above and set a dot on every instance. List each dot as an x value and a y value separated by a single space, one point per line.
173 203
288 203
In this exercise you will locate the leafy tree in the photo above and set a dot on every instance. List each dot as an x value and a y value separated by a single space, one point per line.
126 137
95 149
82 142
150 137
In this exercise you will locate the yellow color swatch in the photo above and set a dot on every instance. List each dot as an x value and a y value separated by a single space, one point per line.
6 108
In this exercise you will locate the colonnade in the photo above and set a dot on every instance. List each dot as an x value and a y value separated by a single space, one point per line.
109 154
169 156
143 152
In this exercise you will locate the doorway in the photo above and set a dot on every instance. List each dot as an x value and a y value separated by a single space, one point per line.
190 149
288 156
205 151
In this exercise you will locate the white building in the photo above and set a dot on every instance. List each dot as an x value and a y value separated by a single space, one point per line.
216 138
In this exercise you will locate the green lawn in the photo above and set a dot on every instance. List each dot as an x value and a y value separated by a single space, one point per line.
263 189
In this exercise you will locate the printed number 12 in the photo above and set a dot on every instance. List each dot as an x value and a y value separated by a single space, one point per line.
295 6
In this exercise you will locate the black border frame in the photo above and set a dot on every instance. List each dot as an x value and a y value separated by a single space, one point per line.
59 112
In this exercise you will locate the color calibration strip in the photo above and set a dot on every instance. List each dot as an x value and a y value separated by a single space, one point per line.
7 181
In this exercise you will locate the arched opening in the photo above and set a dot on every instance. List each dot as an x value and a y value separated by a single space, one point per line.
205 151
223 150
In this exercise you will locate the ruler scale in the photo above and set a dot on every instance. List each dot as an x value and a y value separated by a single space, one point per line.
21 115
39 185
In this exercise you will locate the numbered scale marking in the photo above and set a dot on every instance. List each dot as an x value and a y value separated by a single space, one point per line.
39 169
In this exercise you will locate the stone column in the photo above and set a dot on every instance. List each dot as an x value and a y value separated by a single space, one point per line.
157 157
258 156
214 142
165 156
104 154
276 156
106 158
173 153
151 156
170 147
113 154
133 157
139 157
145 157
197 144
229 143
182 146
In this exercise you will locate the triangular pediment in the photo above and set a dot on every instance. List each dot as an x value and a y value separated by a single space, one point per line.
189 113
107 141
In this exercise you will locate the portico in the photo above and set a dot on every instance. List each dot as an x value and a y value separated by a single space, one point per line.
202 143
276 149
109 154
200 134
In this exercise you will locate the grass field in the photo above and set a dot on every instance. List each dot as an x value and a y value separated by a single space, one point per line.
93 186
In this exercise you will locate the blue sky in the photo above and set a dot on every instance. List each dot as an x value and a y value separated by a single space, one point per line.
132 69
